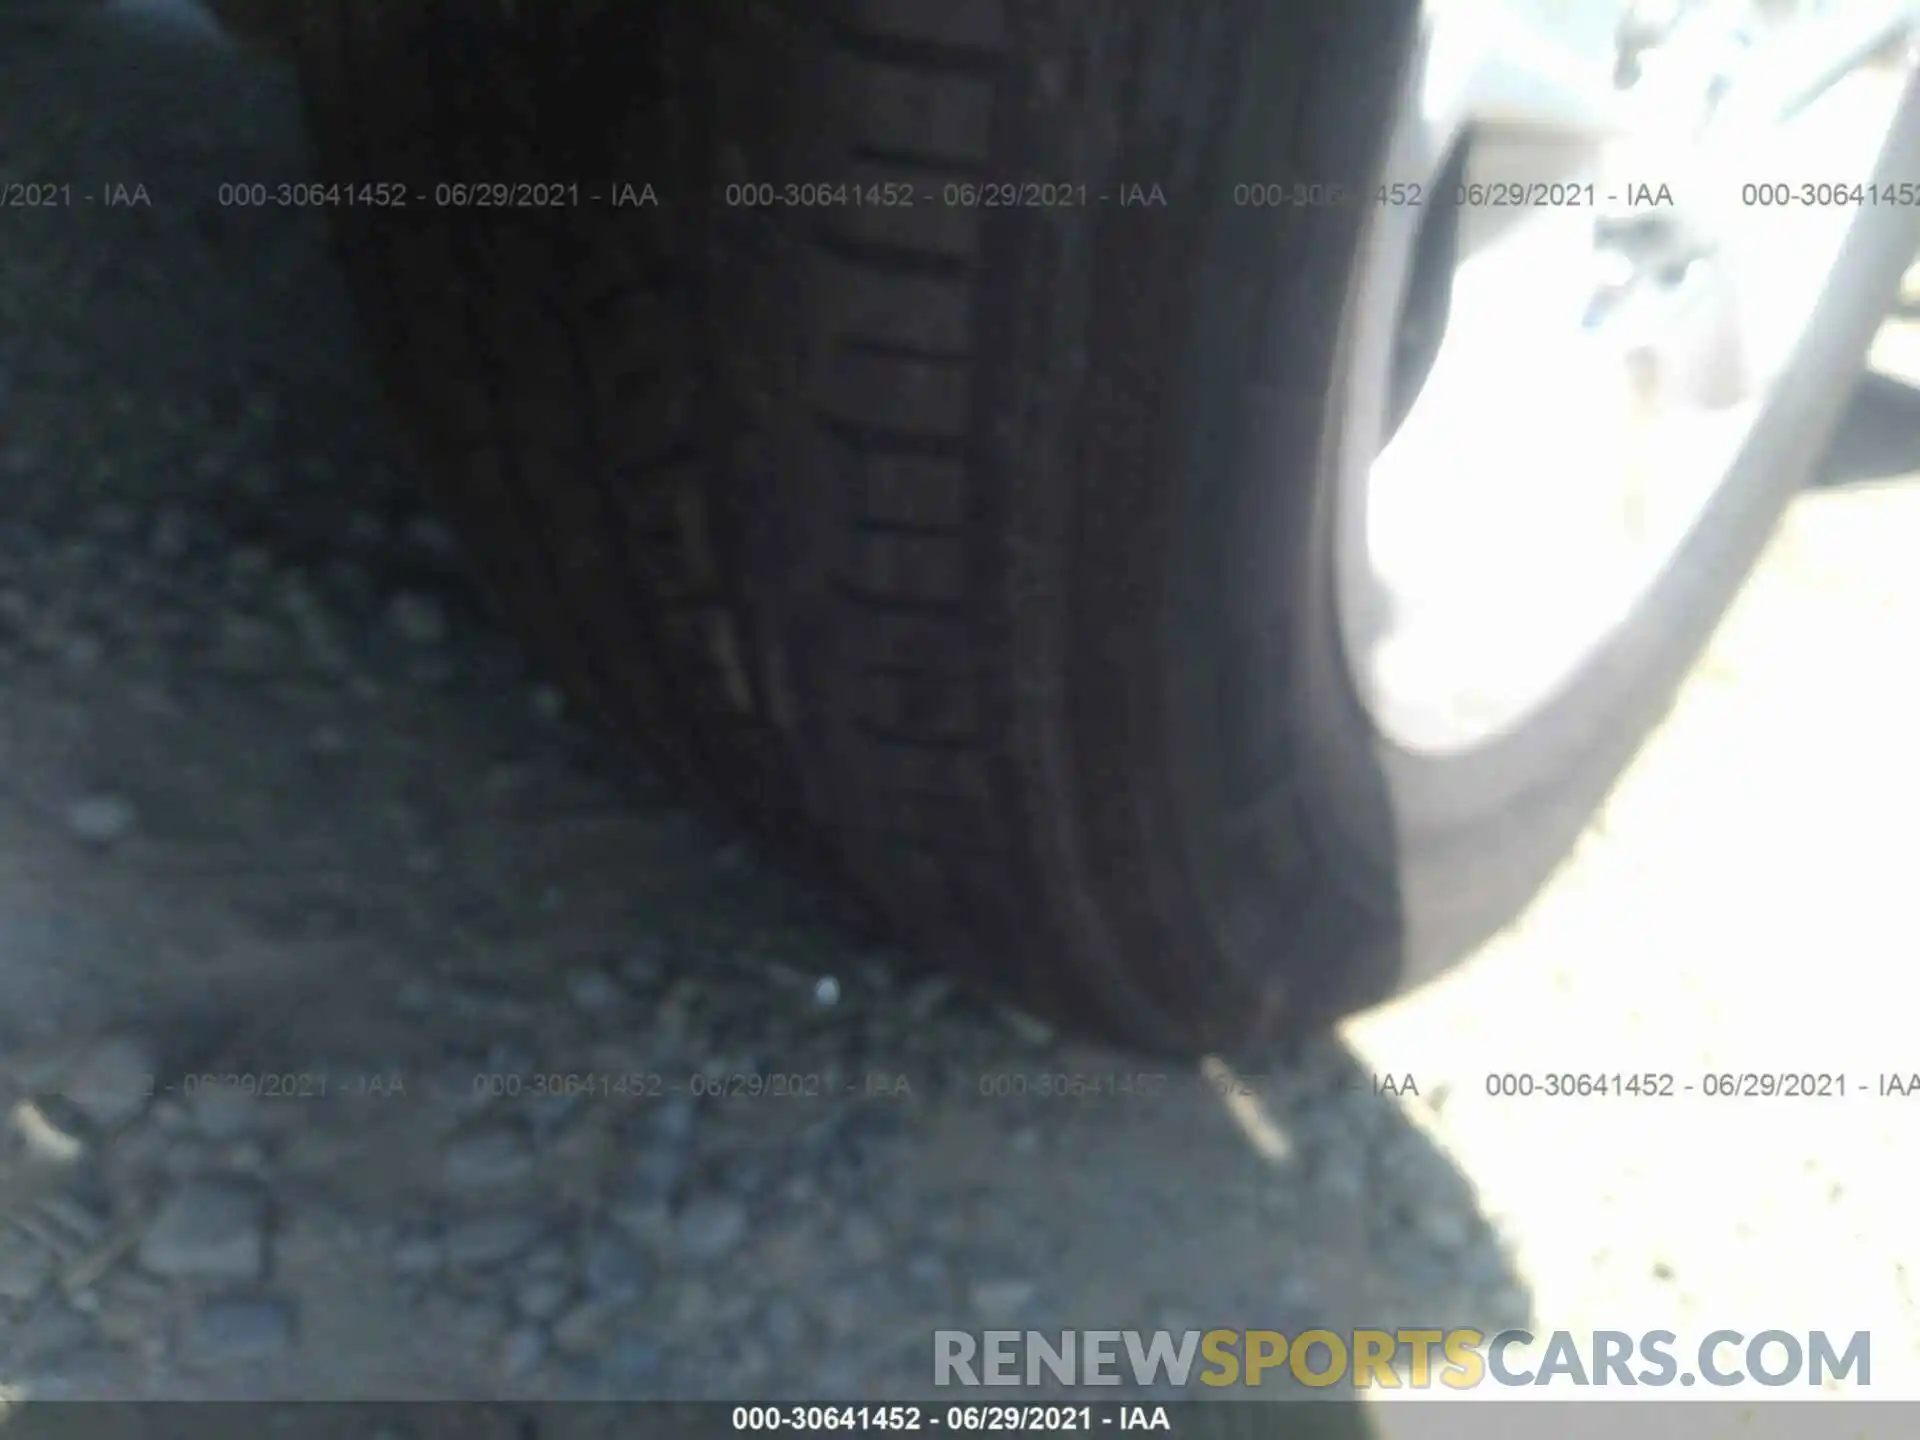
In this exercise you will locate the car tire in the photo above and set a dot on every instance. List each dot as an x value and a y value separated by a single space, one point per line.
977 552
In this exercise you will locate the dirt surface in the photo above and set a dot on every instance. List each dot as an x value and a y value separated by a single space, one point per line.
369 1030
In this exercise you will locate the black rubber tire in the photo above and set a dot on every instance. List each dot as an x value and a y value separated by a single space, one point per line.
978 554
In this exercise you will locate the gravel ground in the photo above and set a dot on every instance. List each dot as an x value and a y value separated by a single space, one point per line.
279 800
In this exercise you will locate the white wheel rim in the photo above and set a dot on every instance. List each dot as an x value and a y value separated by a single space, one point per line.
1554 463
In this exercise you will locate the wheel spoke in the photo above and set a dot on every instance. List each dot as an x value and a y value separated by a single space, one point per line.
1490 68
1604 356
1787 77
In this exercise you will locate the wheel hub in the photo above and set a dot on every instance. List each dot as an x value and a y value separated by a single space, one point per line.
1613 325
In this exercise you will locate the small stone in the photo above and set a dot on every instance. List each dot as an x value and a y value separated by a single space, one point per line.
840 1378
418 619
864 1238
247 1156
926 1268
249 563
81 652
1025 1141
593 992
584 1329
997 1300
1446 1227
489 1157
101 819
542 1297
25 1266
505 1057
328 740
1296 1295
711 1227
417 1254
546 1115
613 1267
133 1308
844 1311
1030 1028
521 1351
223 1112
188 1156
826 992
415 998
548 703
784 1324
171 536
673 1119
641 969
84 1372
111 1081
462 1086
926 998
551 1258
1339 1175
648 1221
750 1359
486 1240
631 1359
50 1324
693 1305
213 1228
240 1328
801 1190
479 1323
651 1175
367 530
430 535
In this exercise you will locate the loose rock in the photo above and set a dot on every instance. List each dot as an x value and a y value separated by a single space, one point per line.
585 1329
225 1114
25 1266
592 992
489 1157
614 1267
213 1228
85 1372
236 1328
418 619
417 1254
521 1351
486 1240
111 1081
631 1360
1029 1028
542 1297
865 1239
187 1156
101 819
712 1226
652 1173
1446 1227
995 1300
